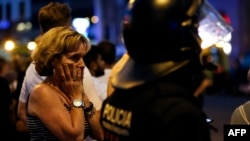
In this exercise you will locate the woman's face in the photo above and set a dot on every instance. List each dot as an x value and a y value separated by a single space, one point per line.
74 57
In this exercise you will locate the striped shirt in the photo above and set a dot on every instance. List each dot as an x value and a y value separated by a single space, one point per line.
39 132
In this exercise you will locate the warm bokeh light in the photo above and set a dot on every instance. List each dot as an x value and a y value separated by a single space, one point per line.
9 45
28 25
94 19
23 26
227 48
20 26
207 41
220 44
130 3
160 3
31 45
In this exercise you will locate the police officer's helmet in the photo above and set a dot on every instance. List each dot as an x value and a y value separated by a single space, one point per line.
161 30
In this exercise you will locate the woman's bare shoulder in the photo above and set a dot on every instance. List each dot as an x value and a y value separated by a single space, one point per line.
41 90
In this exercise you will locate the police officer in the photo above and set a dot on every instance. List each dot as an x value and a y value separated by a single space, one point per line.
153 92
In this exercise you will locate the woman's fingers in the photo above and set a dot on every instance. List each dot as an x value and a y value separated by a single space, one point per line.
74 73
80 73
61 73
67 72
70 72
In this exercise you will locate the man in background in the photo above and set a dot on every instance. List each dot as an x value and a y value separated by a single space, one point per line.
93 60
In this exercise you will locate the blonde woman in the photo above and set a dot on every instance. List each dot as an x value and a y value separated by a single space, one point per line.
58 108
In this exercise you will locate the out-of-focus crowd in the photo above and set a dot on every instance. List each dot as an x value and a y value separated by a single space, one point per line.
11 75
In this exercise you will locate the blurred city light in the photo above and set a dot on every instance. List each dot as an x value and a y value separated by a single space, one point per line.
228 37
28 25
94 19
31 45
23 26
81 25
227 48
225 44
161 2
9 45
4 24
20 26
220 44
212 27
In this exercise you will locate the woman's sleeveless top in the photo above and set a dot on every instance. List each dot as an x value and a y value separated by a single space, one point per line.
39 132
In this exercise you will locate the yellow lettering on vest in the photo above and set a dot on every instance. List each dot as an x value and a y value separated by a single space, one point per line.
117 116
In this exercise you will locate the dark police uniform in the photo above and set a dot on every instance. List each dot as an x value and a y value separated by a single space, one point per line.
159 110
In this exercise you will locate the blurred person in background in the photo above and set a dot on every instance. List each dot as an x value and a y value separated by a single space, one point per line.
7 121
108 51
19 65
154 88
95 63
58 108
204 80
241 114
51 15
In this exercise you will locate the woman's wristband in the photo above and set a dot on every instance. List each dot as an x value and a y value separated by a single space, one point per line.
89 110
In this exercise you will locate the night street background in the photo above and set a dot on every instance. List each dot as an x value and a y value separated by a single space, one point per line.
220 107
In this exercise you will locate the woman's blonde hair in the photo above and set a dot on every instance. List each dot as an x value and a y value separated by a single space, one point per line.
53 44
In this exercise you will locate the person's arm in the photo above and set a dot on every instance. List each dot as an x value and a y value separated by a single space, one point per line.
31 79
21 107
47 101
91 95
47 104
24 93
93 118
21 122
203 87
206 82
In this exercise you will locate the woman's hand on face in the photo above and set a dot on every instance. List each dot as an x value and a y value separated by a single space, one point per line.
71 76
